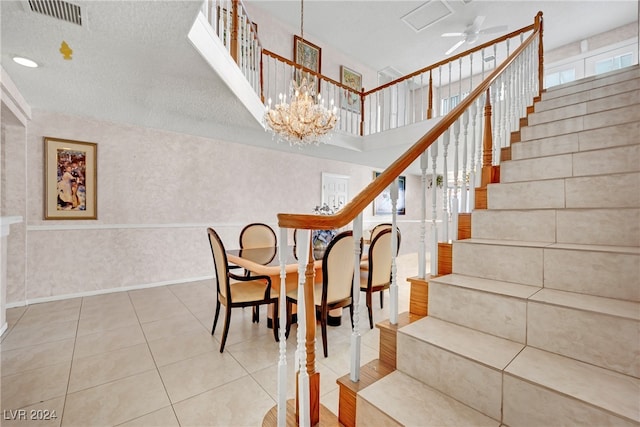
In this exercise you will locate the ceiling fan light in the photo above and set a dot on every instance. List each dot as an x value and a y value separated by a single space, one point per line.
25 62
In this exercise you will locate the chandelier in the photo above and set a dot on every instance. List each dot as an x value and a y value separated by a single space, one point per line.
304 120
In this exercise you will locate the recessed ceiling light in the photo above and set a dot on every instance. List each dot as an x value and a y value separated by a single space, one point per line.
25 61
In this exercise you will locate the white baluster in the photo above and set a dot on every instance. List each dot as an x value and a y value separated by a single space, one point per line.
393 289
494 131
449 84
434 210
440 112
472 174
445 187
465 181
422 248
355 332
456 182
303 244
282 310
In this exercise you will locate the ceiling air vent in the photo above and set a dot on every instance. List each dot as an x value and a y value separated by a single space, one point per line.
58 9
427 14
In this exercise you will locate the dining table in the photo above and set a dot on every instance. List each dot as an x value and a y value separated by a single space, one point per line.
266 261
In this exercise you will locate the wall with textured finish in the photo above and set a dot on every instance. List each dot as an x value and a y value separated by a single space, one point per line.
157 193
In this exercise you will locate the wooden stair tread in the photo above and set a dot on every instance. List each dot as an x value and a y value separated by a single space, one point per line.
327 418
369 374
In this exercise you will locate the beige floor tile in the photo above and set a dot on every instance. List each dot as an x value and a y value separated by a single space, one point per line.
116 402
198 374
14 314
45 414
95 324
37 385
257 354
100 342
240 403
164 417
111 299
105 367
172 326
162 309
110 310
24 336
174 349
37 356
56 311
331 400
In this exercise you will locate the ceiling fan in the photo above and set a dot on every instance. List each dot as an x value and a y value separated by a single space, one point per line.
472 32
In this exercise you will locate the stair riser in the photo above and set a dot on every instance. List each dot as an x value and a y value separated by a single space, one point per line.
594 83
585 336
453 375
499 315
534 226
526 195
582 108
617 227
507 263
580 192
576 98
526 404
370 415
603 191
611 136
577 124
605 274
624 159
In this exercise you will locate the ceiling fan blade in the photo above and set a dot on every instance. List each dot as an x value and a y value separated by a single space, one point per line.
453 35
496 29
477 23
454 47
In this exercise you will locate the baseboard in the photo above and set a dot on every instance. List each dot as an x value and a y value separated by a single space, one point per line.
105 291
4 328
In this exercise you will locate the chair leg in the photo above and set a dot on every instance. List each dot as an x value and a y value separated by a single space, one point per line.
289 319
215 317
256 314
369 304
276 322
382 299
227 320
323 326
351 314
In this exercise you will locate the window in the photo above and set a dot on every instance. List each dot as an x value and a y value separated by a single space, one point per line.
560 77
614 63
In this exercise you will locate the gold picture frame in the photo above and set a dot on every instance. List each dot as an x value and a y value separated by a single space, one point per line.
309 56
352 79
70 179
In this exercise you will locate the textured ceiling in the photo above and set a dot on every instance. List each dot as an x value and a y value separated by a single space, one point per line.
132 61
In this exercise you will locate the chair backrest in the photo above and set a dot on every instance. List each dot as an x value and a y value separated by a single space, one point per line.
337 268
257 235
380 258
378 229
219 262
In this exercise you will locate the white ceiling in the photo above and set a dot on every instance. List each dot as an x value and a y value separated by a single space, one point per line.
132 62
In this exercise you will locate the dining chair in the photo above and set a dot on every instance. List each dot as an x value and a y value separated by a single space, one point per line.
237 291
335 290
377 276
377 229
257 235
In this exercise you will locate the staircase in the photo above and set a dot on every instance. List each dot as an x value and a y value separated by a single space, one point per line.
539 323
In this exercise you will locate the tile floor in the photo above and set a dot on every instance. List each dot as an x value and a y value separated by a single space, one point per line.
147 358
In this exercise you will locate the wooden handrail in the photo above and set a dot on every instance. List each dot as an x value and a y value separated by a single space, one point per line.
451 59
377 186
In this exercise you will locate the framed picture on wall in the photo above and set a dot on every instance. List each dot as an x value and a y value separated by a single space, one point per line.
70 179
382 203
352 79
309 56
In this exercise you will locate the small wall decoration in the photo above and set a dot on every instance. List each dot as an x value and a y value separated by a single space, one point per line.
309 56
349 100
382 203
70 169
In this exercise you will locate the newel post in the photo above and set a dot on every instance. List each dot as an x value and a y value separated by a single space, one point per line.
487 143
